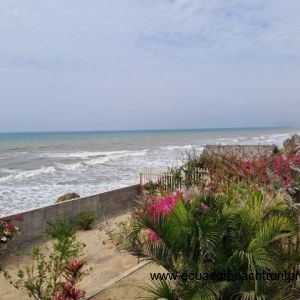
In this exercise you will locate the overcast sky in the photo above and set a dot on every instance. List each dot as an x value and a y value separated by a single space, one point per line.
137 64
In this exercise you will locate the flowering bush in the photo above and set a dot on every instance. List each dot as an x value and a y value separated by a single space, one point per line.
271 172
238 221
8 230
162 206
56 275
158 207
210 234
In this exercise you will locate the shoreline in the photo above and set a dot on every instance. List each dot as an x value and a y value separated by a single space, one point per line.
33 175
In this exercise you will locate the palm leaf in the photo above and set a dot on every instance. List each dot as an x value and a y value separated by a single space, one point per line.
211 291
160 289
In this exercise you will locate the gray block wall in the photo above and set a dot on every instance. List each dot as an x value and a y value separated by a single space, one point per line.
104 205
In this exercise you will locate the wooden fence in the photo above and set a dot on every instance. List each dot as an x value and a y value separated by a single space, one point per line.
170 180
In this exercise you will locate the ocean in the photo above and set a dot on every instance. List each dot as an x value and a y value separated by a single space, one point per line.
37 168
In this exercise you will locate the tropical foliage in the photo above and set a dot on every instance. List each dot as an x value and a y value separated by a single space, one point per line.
73 274
216 234
240 221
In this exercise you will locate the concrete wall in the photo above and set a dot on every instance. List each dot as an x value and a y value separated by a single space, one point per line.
245 151
104 205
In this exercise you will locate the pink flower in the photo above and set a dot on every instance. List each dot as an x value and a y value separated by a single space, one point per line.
178 194
203 206
75 265
286 181
163 206
154 237
68 286
70 292
76 293
246 165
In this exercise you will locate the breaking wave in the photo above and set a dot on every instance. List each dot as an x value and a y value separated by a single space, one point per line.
110 156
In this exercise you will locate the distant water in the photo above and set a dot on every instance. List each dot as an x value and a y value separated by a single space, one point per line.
36 168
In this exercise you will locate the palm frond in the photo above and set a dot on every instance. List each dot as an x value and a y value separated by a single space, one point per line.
211 291
275 228
160 289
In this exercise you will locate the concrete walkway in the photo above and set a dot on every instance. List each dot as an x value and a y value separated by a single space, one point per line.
130 287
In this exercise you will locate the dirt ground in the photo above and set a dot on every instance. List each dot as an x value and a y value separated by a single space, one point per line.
130 288
101 254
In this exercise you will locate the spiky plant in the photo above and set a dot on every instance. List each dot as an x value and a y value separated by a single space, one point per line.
217 234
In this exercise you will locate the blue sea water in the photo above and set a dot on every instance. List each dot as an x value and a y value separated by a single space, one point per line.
36 168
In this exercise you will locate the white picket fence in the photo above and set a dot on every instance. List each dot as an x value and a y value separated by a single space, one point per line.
167 180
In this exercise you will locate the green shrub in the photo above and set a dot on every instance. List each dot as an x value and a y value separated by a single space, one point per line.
151 188
85 219
60 229
121 237
44 277
211 234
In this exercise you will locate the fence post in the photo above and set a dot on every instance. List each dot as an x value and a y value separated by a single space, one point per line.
166 179
141 179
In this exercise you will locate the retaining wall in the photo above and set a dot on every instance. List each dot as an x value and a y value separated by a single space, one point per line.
104 205
245 151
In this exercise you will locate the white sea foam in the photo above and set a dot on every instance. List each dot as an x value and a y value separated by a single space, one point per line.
8 170
100 160
276 139
79 154
29 197
177 147
88 154
111 156
19 174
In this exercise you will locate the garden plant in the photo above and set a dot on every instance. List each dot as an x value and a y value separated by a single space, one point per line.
239 222
54 276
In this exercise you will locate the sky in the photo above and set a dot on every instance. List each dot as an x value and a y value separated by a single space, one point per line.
148 64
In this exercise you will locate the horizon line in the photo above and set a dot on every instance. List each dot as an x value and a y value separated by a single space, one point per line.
149 130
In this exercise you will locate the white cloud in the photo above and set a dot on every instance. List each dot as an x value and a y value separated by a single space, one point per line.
76 33
148 51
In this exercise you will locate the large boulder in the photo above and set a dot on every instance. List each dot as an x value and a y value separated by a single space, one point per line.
68 196
291 146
